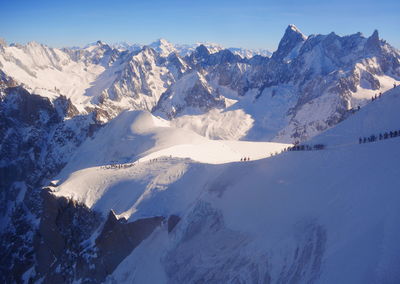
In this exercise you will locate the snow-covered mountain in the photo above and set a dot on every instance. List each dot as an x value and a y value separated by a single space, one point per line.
323 75
165 48
125 163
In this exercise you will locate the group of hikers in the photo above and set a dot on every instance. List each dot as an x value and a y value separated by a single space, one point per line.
377 96
114 165
295 147
302 147
381 136
305 147
118 166
160 158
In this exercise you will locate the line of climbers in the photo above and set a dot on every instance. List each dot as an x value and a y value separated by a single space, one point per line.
114 165
377 96
160 158
381 136
298 147
245 159
118 166
305 147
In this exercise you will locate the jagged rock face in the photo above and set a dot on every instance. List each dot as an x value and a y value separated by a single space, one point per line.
202 57
177 65
142 78
291 39
62 245
98 53
36 142
118 238
59 240
330 67
190 92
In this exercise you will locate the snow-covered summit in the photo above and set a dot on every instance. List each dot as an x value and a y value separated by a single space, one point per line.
163 47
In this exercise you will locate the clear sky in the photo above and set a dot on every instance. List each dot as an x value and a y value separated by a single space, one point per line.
232 23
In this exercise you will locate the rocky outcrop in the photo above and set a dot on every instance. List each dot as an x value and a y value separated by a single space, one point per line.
59 240
36 142
118 238
173 220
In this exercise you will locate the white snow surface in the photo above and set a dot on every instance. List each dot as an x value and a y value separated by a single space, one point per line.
158 154
49 71
325 216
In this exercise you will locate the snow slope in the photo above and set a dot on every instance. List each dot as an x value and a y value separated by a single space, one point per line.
157 155
49 71
379 116
315 216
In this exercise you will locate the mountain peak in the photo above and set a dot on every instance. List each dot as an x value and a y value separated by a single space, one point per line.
292 37
292 30
375 36
163 47
33 44
100 43
162 41
373 42
201 52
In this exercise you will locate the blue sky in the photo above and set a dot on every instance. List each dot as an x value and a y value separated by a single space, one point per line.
247 23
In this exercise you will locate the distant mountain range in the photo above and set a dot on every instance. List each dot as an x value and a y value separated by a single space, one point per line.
164 47
326 75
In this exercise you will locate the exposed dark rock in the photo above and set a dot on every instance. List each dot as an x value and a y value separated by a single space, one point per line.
66 107
173 220
33 135
64 225
118 238
289 41
373 43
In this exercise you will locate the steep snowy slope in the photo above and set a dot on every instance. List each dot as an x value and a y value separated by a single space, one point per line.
48 71
324 216
378 117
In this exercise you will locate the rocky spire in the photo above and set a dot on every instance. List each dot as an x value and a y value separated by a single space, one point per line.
290 39
373 43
